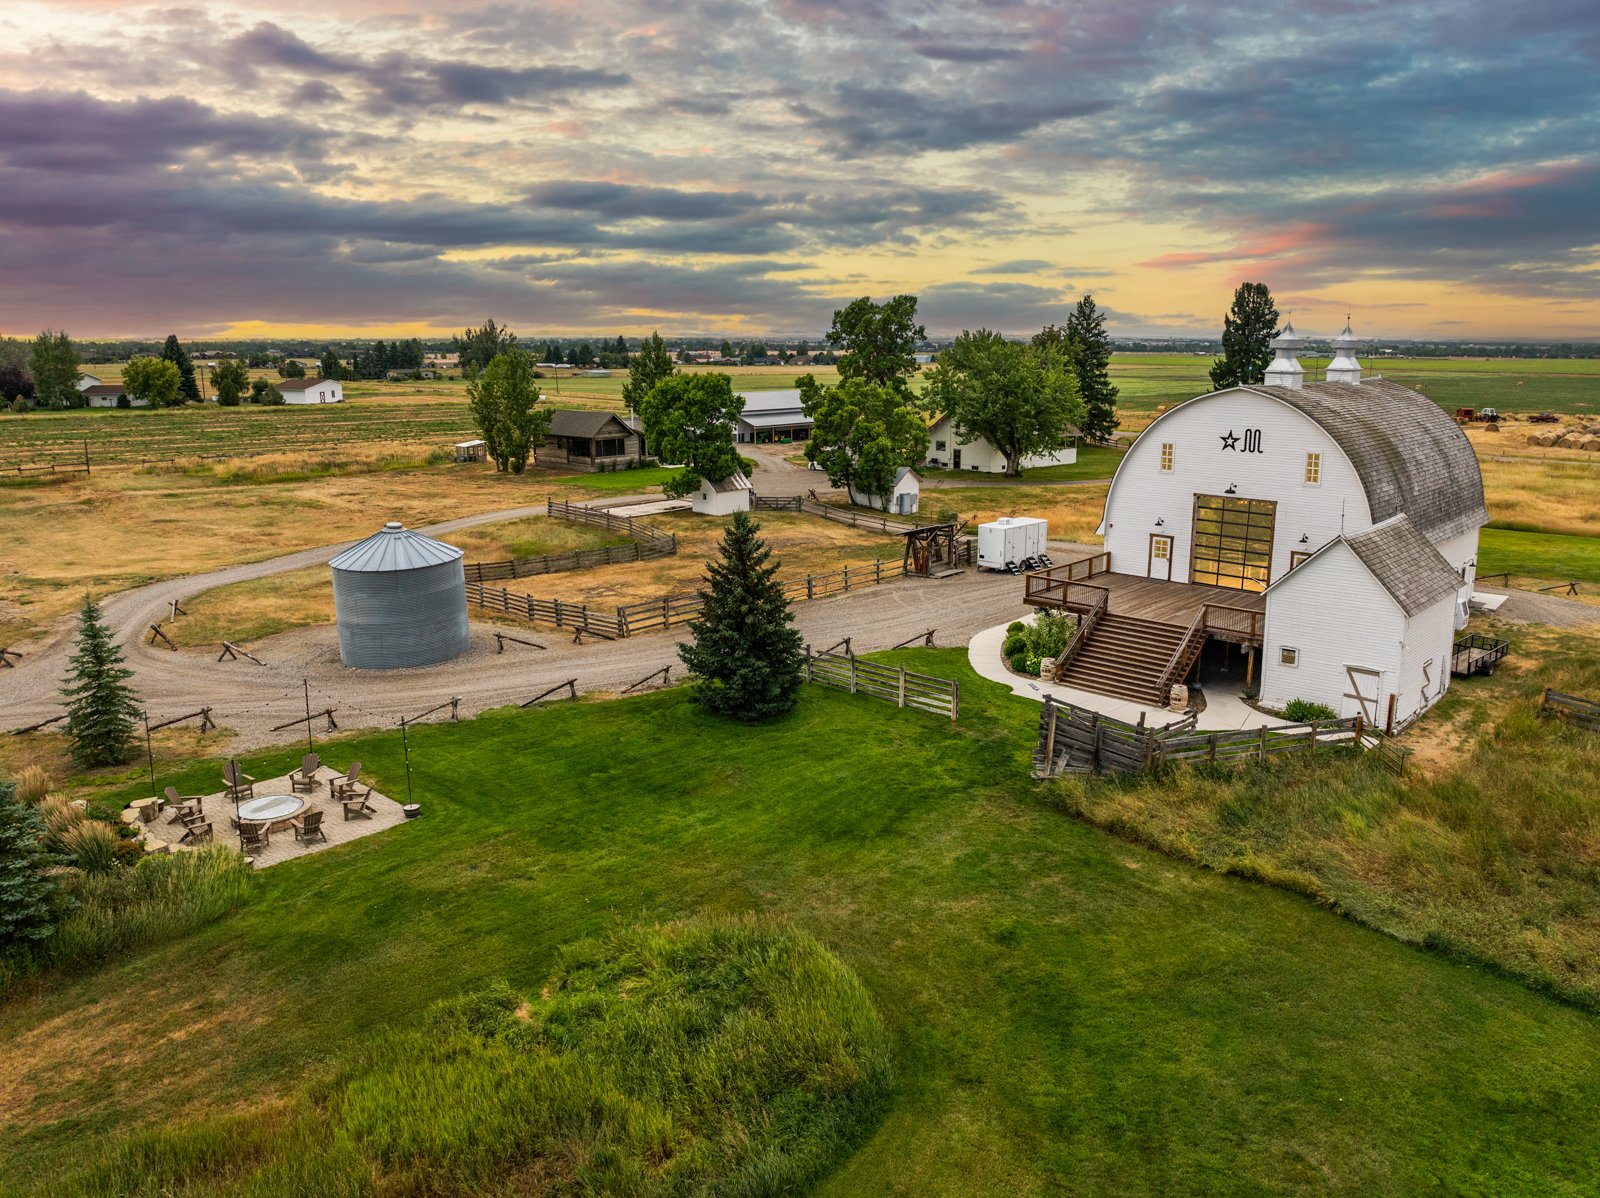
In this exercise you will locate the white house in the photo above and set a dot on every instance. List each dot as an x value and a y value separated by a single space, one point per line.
110 395
1367 486
85 381
1383 650
772 416
903 500
311 390
947 448
723 497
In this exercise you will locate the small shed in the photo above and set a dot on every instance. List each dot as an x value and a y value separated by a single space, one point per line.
471 451
1366 626
723 497
903 500
400 599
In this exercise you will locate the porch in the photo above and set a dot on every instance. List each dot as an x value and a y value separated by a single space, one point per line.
1078 586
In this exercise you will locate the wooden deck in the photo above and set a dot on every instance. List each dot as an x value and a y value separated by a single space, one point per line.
1171 602
1226 614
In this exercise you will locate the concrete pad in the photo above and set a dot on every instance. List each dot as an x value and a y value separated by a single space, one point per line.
653 508
1486 601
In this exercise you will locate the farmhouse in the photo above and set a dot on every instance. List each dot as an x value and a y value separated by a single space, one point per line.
772 416
590 441
110 395
1330 526
948 449
85 381
311 390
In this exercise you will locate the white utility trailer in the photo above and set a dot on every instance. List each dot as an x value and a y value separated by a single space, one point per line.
1005 543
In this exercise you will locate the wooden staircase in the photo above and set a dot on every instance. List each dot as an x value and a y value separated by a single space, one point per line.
1125 657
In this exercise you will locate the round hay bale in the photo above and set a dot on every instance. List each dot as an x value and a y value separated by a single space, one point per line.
1546 440
1591 444
1533 439
1492 427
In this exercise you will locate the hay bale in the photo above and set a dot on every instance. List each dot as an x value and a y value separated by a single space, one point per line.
1534 439
1591 444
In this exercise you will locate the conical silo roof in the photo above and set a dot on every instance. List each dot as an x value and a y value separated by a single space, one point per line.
395 548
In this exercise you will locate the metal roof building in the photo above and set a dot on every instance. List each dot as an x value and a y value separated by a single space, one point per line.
400 599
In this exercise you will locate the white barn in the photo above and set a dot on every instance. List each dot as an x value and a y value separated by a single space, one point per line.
949 450
772 416
1367 486
311 390
723 497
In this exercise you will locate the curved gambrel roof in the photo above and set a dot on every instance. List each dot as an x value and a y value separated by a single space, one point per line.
1411 456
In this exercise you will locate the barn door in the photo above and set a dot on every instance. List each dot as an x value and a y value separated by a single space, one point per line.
1363 694
1160 557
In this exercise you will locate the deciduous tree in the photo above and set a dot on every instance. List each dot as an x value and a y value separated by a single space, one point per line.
503 399
101 706
53 362
1247 333
862 433
188 388
690 421
879 340
290 368
746 660
230 379
156 381
478 347
1019 398
645 369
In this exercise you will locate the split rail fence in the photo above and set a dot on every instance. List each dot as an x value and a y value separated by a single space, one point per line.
1583 712
893 684
1073 740
645 543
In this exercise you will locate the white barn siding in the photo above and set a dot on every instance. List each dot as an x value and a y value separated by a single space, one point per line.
1462 554
980 456
331 388
1142 493
709 501
1425 658
1336 614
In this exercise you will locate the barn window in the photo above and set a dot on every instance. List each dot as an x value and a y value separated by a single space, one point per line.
939 445
1288 656
1313 469
1166 457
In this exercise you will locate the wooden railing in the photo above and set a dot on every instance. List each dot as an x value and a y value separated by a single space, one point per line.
1585 713
1052 587
645 543
1086 623
1230 622
1183 655
895 684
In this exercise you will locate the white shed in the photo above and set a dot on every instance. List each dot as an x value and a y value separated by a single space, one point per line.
311 390
903 500
1382 649
947 449
723 497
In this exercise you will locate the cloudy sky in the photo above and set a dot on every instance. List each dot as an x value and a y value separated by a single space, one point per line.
370 168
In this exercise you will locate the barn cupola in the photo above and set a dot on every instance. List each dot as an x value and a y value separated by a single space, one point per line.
1344 368
1286 370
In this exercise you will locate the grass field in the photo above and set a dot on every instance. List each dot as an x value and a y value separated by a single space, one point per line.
1540 559
1069 1014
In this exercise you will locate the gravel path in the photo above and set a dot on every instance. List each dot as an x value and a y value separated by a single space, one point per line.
252 699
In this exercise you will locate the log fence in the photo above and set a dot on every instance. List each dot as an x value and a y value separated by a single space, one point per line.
893 684
645 543
925 637
1585 713
55 719
325 713
500 640
9 659
664 673
570 686
453 703
232 652
155 632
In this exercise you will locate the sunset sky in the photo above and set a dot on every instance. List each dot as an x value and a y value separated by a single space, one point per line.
369 168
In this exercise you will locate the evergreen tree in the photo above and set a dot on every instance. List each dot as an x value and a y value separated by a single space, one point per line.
172 351
26 911
328 366
647 368
746 660
1090 362
1247 333
101 706
503 399
621 347
727 349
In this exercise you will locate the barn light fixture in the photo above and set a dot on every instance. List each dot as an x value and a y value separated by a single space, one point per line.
1233 489
1305 539
1160 520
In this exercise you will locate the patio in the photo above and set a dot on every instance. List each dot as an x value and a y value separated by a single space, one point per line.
160 835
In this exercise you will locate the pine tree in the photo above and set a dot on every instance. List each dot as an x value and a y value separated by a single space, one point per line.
1091 358
26 910
101 706
1247 333
745 658
174 352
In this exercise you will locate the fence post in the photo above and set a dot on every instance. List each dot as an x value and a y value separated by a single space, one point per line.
877 569
901 698
1263 756
955 698
847 580
811 586
808 663
852 675
1211 754
1050 736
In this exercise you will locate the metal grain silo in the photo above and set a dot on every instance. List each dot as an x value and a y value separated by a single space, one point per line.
400 599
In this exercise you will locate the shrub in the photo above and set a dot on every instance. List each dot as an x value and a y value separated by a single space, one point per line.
32 783
1049 633
1304 711
1014 645
1015 628
706 1057
1032 663
60 817
92 845
1019 662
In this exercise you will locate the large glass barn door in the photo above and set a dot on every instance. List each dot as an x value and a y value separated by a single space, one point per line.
1233 542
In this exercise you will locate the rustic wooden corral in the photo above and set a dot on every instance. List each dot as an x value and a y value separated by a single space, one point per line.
1585 713
1477 654
570 686
895 684
646 543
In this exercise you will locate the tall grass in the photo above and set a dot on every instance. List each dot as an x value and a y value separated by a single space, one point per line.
92 844
708 1057
32 783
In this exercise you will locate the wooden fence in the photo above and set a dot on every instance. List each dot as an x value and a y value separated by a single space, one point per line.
1583 712
1075 740
894 684
645 543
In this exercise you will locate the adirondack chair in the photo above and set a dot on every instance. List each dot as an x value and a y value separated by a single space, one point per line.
309 827
304 779
196 832
348 782
240 784
180 805
252 836
355 803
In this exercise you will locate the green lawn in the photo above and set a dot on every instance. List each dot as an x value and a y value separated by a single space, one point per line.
1094 462
1070 1014
1539 555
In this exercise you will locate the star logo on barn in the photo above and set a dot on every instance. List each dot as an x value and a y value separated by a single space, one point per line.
1229 440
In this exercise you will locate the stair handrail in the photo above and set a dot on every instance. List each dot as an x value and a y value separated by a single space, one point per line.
1254 619
1086 623
1180 659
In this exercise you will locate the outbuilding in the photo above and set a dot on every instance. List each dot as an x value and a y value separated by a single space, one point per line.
948 449
772 417
903 499
400 599
590 441
723 497
311 390
471 451
110 395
